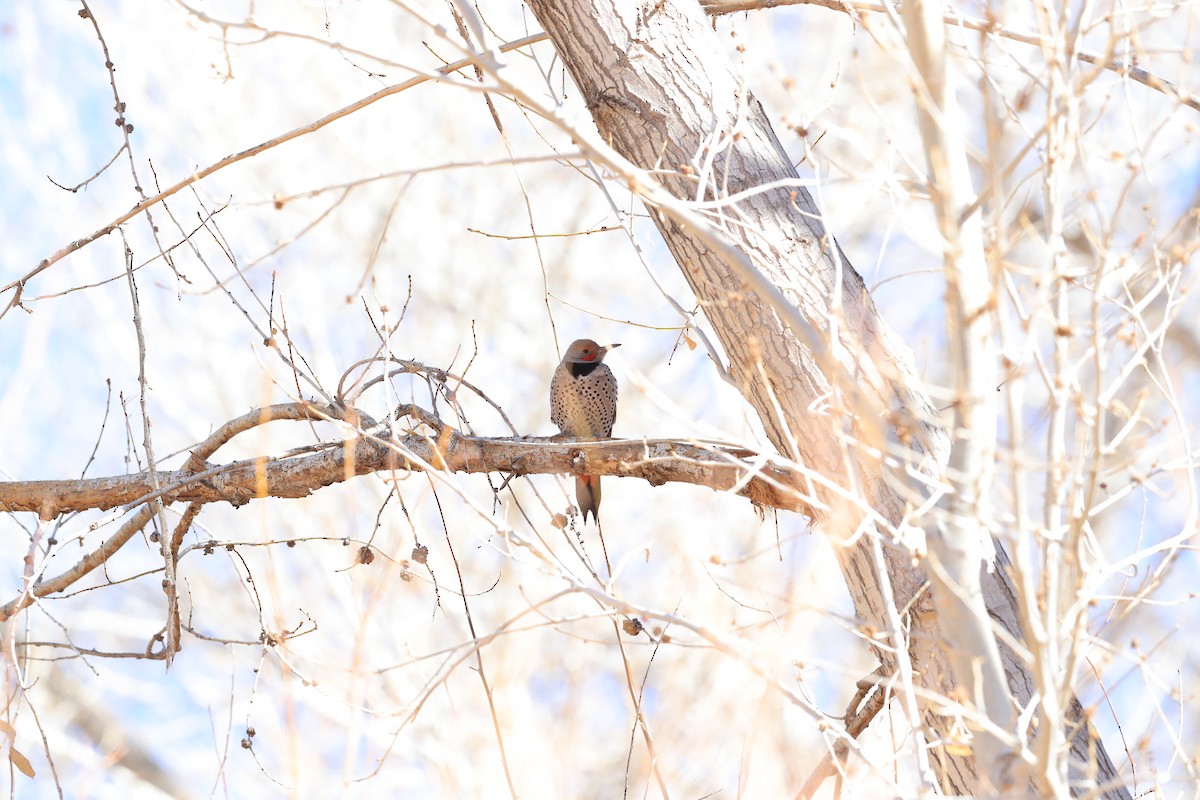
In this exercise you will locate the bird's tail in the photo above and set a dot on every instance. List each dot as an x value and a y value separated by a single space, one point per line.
587 494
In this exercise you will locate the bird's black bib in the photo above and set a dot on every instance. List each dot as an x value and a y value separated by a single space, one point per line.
583 370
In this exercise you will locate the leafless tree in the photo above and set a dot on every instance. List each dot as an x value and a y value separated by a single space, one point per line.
369 578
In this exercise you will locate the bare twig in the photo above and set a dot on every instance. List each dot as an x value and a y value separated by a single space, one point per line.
83 567
18 286
1122 68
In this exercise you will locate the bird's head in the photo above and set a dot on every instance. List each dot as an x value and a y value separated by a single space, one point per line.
585 351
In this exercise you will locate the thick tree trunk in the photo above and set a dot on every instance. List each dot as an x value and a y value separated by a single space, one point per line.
663 95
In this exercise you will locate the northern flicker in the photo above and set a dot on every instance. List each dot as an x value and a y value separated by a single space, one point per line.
583 404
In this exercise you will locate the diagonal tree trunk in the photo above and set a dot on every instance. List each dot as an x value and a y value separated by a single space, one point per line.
664 96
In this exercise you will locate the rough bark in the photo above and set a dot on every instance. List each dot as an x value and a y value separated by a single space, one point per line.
664 96
764 482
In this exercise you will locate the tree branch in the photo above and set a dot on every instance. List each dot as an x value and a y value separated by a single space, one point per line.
989 26
764 481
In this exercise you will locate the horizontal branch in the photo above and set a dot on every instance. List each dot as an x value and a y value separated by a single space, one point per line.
720 467
299 474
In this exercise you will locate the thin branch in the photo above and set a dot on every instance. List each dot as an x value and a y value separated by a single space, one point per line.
19 284
83 567
1123 68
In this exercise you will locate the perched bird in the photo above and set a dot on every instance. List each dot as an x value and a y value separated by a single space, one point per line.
583 404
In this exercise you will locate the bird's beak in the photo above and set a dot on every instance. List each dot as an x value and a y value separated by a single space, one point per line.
611 346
